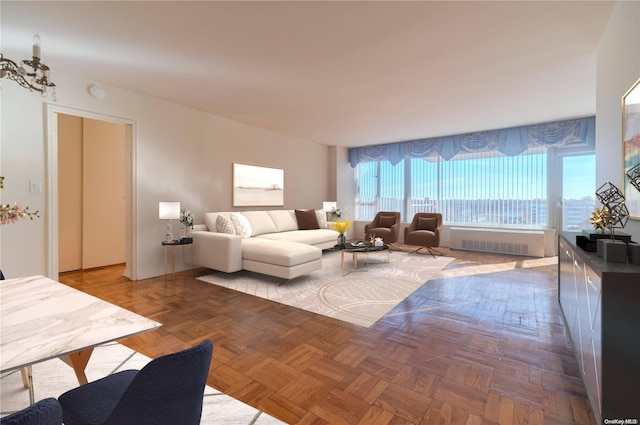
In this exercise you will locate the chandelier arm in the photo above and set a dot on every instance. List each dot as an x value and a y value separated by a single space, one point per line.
39 78
13 75
23 82
7 63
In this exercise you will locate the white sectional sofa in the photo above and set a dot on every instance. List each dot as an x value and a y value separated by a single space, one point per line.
282 243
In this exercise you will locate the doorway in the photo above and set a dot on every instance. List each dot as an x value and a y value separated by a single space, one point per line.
91 191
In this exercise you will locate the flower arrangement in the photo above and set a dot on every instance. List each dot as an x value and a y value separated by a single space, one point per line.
341 226
11 214
186 218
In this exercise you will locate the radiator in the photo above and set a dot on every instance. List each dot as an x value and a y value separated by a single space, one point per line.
504 241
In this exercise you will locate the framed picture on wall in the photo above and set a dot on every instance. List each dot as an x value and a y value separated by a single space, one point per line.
254 186
631 148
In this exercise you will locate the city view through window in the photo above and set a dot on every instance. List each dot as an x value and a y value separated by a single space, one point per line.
480 189
578 189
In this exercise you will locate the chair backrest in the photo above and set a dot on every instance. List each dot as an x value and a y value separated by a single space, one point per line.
44 412
438 216
168 390
376 219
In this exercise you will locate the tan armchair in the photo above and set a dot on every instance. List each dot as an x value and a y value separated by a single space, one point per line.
424 231
385 225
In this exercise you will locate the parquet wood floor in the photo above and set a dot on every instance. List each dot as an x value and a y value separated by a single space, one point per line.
482 344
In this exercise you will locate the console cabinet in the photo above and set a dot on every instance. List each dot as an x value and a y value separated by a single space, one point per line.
600 303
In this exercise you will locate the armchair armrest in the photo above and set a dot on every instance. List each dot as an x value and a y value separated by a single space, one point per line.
410 228
437 234
366 228
395 229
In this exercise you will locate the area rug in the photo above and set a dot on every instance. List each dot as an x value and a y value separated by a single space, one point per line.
52 378
360 297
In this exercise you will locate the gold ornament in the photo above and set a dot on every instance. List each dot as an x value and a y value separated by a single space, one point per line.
600 219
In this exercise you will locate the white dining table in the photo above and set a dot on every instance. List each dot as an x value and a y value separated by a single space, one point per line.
41 319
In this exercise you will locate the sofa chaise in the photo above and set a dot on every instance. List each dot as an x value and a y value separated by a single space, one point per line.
282 243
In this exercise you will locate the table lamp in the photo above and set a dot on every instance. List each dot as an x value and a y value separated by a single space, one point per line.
169 211
329 208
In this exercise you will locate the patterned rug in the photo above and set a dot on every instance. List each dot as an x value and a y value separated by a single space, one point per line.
360 297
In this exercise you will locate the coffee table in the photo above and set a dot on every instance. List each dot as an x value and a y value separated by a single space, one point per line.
360 248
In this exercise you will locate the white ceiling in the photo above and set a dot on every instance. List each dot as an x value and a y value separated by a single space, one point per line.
334 72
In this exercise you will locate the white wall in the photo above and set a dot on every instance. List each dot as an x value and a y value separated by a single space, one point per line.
181 155
618 67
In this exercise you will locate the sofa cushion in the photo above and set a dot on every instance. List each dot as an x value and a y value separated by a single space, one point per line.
210 221
242 225
284 220
260 222
307 219
386 221
427 223
321 215
310 237
225 225
281 253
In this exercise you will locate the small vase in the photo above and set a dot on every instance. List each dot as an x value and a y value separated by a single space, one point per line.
342 240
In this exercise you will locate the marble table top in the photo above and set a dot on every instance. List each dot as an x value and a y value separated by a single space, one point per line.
42 319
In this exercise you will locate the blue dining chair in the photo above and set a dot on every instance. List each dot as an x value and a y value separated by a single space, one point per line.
167 391
44 412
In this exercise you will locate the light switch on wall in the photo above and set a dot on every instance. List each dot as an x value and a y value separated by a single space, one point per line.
35 187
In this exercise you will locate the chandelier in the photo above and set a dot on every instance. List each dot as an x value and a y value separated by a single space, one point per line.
36 79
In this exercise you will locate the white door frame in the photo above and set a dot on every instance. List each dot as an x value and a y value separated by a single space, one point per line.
51 129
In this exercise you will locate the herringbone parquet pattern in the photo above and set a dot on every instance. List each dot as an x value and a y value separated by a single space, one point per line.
482 344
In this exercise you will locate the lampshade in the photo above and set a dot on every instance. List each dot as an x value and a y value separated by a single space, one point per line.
329 206
169 210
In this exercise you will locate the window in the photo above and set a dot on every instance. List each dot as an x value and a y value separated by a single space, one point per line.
503 177
384 194
480 188
578 191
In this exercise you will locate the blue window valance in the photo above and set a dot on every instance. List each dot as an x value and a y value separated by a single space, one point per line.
510 141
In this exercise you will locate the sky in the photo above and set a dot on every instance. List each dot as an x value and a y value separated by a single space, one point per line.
579 179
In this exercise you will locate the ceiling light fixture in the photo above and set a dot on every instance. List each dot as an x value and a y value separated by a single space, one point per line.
97 92
39 76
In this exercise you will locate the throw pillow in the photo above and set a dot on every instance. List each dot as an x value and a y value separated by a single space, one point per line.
210 221
307 219
387 220
427 223
224 225
322 219
242 225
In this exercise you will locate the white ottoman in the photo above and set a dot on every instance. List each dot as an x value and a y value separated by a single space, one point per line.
280 258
